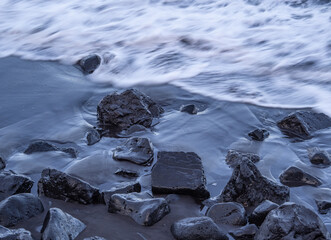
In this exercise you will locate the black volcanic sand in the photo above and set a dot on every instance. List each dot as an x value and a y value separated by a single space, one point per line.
50 101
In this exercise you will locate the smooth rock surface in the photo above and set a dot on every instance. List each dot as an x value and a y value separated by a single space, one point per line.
2 163
127 173
245 233
319 157
125 187
44 146
228 213
191 109
259 134
323 206
14 234
89 63
260 212
295 177
92 137
233 157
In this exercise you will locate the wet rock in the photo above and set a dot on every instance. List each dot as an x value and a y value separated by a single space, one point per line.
295 177
59 225
59 185
228 213
323 206
89 63
44 146
126 173
92 137
304 123
260 212
245 233
142 208
131 107
19 207
136 150
259 134
12 183
191 109
233 157
179 172
126 187
14 234
292 221
248 187
319 157
194 228
2 164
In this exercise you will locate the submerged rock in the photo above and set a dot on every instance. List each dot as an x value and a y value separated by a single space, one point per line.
295 177
259 134
126 173
191 109
59 225
323 206
228 213
179 172
44 146
136 150
89 63
2 164
95 238
260 212
292 221
131 107
233 157
59 185
142 208
245 233
92 137
14 234
126 187
319 157
194 228
19 207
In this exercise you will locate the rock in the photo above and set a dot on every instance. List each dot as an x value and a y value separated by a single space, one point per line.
295 177
131 107
126 173
44 146
59 225
191 109
136 150
248 187
323 206
14 234
259 134
260 212
233 157
292 221
228 213
59 185
95 238
71 151
195 228
126 187
245 233
19 207
179 172
140 207
89 63
319 157
12 183
92 137
304 123
2 164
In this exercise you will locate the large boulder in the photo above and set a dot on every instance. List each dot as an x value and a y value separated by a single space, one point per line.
292 221
14 234
59 185
19 207
228 213
295 177
260 212
179 172
131 107
46 146
197 228
59 225
319 157
89 63
233 157
125 187
142 208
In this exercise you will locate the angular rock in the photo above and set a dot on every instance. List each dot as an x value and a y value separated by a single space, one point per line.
233 157
248 187
136 150
59 185
259 134
14 234
126 187
19 207
319 157
140 207
295 177
179 172
89 63
191 109
12 183
245 233
304 123
292 221
194 228
131 107
92 137
44 146
59 225
260 212
126 173
323 206
2 164
228 213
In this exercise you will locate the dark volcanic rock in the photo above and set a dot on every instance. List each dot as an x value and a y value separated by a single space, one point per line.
14 234
126 187
233 157
60 225
142 208
2 164
131 107
19 207
12 183
295 177
59 185
191 109
136 150
179 172
248 187
126 173
228 213
197 228
44 146
303 123
292 221
260 212
89 63
259 134
319 157
92 137
245 233
323 206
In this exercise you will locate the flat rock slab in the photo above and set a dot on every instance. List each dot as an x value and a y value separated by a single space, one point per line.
260 212
179 172
59 185
45 146
126 187
136 150
194 228
234 157
13 183
14 234
323 206
258 134
19 207
295 177
245 233
292 221
228 213
304 123
142 208
319 157
59 225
